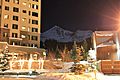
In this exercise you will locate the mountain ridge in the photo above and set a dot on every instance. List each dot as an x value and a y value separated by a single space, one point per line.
62 35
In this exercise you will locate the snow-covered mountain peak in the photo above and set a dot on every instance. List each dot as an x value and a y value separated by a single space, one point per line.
61 35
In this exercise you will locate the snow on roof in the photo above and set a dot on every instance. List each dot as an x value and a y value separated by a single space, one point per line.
105 44
104 33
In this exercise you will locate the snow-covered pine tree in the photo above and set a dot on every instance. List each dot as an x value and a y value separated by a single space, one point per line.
4 59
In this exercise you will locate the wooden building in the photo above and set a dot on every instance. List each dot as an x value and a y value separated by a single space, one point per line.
106 45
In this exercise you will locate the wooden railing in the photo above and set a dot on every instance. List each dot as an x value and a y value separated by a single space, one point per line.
26 64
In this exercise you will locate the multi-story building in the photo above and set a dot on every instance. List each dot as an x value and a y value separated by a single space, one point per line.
20 22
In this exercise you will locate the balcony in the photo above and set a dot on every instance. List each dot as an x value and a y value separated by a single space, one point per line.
13 38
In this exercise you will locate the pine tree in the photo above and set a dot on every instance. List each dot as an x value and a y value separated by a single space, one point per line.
84 48
4 60
57 55
74 52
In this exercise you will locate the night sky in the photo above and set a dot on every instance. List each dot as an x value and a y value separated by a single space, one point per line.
81 14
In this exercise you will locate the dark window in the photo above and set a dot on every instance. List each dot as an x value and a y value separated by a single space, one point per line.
7 0
0 7
34 38
28 37
14 26
34 45
32 5
34 29
15 9
29 12
5 34
24 11
35 0
14 35
35 14
6 25
15 18
6 8
35 22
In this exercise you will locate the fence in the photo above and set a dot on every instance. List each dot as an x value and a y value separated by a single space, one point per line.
26 64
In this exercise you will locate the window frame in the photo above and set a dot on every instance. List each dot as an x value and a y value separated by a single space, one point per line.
16 18
14 26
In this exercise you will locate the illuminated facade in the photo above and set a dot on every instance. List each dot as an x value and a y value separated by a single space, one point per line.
20 22
106 45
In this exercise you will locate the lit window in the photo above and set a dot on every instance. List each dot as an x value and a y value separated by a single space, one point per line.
22 36
24 3
14 26
16 1
23 19
23 27
35 14
34 6
6 25
5 34
29 5
24 11
6 8
28 29
35 22
15 9
6 16
14 35
15 18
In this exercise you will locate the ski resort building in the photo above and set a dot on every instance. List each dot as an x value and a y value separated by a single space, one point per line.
106 45
20 30
20 22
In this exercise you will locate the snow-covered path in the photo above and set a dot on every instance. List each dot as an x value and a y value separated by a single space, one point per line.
101 76
112 77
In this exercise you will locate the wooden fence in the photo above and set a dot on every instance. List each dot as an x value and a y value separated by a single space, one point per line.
26 64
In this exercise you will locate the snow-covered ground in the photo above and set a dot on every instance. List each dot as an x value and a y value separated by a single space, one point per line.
64 76
112 77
